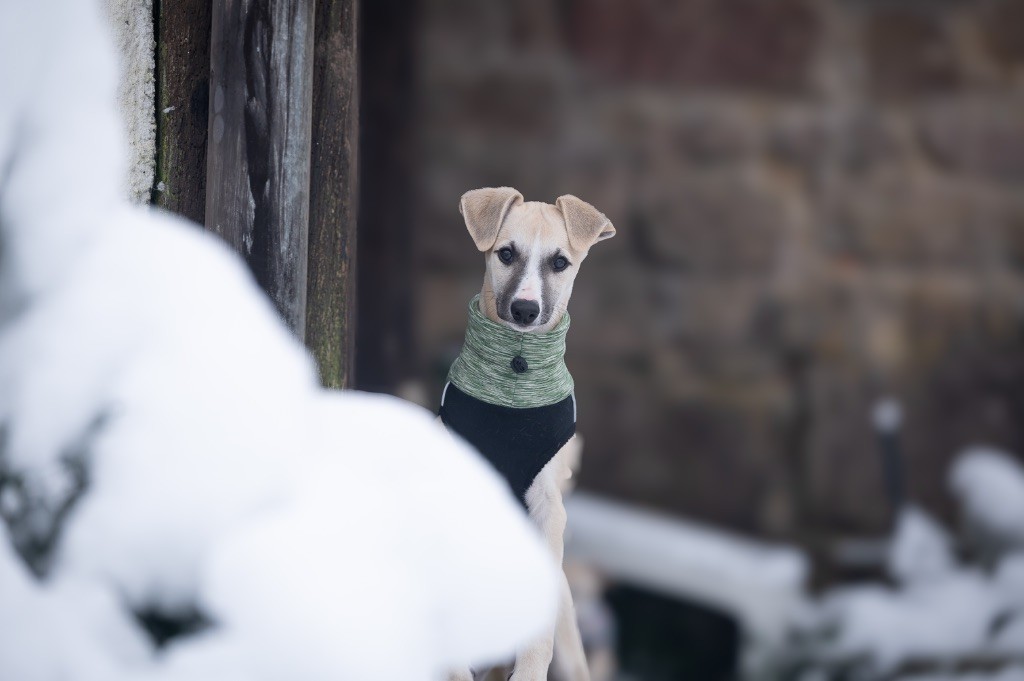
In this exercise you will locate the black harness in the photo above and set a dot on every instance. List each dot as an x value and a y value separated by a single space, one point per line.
517 442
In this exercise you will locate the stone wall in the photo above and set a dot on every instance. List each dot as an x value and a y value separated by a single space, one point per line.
818 203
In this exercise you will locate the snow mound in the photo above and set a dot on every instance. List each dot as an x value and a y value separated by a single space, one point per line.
989 484
941 615
166 449
921 548
939 619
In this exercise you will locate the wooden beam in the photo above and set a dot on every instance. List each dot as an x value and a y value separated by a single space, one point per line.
333 192
257 184
182 97
384 332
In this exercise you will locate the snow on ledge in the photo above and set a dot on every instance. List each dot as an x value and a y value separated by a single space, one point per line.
761 585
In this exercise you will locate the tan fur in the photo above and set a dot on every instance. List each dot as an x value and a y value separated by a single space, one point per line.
586 225
484 210
495 218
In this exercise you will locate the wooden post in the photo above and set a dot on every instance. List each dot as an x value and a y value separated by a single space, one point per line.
333 192
384 332
257 185
182 96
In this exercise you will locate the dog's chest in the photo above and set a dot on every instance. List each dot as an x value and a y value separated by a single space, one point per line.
518 442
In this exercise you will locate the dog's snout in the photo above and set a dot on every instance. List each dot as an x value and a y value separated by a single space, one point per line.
525 311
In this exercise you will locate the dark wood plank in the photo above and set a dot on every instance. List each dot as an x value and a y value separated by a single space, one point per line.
257 185
384 330
182 96
330 314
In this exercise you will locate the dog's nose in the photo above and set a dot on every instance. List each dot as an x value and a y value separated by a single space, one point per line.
525 311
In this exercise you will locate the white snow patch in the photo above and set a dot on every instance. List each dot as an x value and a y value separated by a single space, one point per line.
921 549
761 585
939 619
887 415
989 483
131 23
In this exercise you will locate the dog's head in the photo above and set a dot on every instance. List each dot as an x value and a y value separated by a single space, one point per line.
532 250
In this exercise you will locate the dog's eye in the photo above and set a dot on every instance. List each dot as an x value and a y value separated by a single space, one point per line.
560 263
506 255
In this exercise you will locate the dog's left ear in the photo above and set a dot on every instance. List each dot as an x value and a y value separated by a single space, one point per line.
586 225
484 210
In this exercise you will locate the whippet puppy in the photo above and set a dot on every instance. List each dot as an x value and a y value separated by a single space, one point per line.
509 392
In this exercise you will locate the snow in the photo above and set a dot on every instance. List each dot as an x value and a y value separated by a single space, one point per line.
761 585
989 485
131 24
921 549
54 101
167 448
65 629
937 619
1012 673
887 415
1009 579
941 612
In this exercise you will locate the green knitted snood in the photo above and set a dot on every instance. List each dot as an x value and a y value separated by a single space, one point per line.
491 354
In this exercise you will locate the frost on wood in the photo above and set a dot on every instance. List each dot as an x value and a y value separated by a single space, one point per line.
169 466
131 25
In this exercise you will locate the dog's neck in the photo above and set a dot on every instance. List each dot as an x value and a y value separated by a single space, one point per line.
503 366
489 308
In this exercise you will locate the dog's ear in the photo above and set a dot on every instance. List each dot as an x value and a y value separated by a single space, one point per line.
586 225
484 210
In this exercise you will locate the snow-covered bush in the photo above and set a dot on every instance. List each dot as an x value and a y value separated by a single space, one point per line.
938 618
166 454
989 484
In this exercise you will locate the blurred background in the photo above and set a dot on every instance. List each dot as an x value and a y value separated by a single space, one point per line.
820 213
819 205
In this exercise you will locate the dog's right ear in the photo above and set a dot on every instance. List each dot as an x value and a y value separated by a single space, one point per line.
484 210
585 224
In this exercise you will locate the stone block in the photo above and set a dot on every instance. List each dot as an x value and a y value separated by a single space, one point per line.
712 226
1013 235
805 140
503 101
1002 27
983 137
798 138
713 135
910 52
841 470
762 45
900 220
702 459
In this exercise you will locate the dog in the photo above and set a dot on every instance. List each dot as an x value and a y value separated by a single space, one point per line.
509 392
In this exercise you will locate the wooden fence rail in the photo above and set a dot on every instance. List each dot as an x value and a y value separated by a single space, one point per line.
260 131
333 193
257 133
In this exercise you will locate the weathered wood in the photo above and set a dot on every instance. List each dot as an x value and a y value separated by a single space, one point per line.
330 315
257 185
384 330
182 96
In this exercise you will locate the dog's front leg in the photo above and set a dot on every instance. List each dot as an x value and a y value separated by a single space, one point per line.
532 662
570 658
544 500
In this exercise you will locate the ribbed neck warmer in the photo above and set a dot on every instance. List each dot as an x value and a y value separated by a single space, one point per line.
502 366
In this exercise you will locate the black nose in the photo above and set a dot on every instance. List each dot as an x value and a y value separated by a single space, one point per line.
525 311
